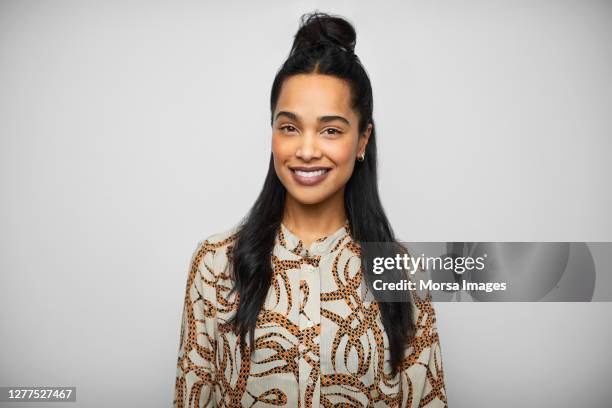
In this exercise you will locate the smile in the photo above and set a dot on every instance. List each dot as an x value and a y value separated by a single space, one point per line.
309 176
310 173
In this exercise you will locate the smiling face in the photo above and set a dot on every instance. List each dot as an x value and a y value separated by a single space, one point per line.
315 137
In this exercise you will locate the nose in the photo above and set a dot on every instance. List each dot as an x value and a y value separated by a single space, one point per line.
308 148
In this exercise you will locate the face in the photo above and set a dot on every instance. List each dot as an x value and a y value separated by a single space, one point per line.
315 137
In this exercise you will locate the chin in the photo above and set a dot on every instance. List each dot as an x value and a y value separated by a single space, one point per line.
309 195
308 198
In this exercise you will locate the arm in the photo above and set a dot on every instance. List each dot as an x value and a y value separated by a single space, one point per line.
422 371
194 385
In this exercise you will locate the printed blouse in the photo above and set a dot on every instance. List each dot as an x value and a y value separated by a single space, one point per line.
318 341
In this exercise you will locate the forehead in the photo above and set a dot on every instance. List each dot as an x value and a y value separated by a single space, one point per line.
315 95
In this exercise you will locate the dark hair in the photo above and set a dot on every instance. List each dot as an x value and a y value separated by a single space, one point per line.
324 44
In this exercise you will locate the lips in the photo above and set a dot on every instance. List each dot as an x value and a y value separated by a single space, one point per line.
309 176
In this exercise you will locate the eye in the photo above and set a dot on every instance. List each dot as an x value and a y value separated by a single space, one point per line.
332 131
288 129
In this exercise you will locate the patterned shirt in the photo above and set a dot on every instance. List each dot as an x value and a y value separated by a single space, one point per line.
318 343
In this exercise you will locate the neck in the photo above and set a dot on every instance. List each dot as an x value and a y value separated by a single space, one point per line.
311 221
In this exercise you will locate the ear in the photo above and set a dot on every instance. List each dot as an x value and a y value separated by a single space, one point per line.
363 140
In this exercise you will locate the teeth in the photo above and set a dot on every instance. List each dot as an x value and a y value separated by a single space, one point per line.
310 173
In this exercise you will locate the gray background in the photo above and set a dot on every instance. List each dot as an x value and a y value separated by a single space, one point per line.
129 131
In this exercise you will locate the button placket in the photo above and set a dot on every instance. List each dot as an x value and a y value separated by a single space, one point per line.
315 316
315 261
308 320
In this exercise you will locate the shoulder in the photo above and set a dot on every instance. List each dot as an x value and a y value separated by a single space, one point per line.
213 253
221 239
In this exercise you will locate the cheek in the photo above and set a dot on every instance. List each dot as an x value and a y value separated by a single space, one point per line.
282 152
281 149
342 154
278 153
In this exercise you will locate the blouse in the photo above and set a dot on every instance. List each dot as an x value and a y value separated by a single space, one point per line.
318 342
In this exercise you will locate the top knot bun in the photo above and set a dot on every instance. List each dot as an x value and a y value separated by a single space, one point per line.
320 29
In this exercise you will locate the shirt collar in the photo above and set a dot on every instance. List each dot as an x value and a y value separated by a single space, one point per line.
321 246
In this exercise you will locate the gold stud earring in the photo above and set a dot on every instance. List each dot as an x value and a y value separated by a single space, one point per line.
361 157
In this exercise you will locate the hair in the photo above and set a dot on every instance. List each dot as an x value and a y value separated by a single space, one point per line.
324 44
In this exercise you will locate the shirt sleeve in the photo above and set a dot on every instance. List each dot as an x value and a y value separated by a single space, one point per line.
194 385
422 371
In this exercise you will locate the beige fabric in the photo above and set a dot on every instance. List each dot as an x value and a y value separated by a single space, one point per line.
317 343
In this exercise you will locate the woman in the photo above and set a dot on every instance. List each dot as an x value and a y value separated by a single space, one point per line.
274 313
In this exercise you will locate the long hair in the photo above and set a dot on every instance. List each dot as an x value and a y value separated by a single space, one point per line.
324 44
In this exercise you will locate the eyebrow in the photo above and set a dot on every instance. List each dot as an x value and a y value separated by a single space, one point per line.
324 119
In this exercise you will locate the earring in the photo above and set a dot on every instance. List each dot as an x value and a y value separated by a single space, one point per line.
361 157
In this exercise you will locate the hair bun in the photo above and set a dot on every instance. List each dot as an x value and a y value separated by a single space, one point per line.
320 29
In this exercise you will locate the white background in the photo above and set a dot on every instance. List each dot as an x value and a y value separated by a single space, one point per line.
131 130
